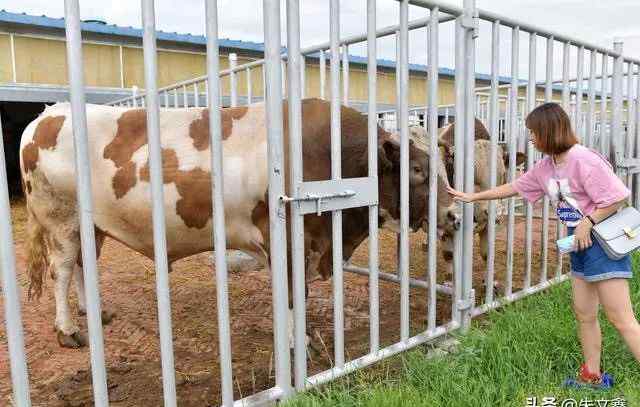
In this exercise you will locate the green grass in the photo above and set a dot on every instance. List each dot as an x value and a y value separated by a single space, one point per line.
526 349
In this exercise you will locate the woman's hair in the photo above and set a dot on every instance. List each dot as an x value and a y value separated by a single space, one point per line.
551 128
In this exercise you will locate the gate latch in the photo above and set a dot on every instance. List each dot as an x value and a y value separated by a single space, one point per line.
318 198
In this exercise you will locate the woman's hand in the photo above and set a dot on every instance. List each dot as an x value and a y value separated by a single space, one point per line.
461 196
583 235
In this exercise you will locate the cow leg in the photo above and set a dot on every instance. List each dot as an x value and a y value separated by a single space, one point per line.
63 256
484 252
78 280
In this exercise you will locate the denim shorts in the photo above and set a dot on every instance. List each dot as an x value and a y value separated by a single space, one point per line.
593 264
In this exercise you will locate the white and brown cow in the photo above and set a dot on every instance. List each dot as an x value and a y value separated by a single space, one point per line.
122 198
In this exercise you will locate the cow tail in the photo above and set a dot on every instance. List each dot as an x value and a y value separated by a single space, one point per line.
37 256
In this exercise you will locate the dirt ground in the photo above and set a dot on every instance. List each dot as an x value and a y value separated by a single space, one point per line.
62 377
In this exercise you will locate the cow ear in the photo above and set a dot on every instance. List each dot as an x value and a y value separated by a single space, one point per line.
388 153
520 158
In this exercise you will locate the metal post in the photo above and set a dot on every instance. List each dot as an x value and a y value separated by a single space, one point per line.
196 102
303 76
277 212
513 141
85 201
157 195
460 107
249 87
548 96
12 314
469 163
323 75
531 104
14 71
336 173
591 100
579 80
494 114
121 55
297 219
345 75
432 131
233 79
374 295
134 96
637 146
604 92
566 105
176 103
631 124
166 99
217 188
403 126
185 96
617 137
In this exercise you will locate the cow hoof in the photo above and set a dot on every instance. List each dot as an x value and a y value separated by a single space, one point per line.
74 341
107 316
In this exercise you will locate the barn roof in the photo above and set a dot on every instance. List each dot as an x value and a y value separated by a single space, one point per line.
98 27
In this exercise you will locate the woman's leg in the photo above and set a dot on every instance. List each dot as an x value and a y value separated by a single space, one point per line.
616 301
585 306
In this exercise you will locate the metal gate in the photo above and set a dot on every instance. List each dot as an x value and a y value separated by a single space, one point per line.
613 130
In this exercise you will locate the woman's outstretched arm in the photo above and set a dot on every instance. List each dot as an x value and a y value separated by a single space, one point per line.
499 192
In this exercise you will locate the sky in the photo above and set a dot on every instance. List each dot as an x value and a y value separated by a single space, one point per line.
595 21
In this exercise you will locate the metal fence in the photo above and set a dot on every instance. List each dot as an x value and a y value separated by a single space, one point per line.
502 113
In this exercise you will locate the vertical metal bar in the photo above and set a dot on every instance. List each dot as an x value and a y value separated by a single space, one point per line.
196 96
446 116
233 79
432 127
297 220
617 136
121 55
206 91
459 162
403 117
345 75
566 104
531 104
631 124
277 212
157 195
85 201
469 164
513 144
604 92
284 78
185 96
494 113
303 76
374 294
176 104
637 146
579 80
14 71
12 314
591 100
336 173
217 188
249 87
134 94
166 99
323 74
548 96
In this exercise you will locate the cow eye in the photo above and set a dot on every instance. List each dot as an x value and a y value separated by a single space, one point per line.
417 169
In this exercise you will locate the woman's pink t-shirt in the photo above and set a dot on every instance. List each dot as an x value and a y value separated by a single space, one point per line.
585 179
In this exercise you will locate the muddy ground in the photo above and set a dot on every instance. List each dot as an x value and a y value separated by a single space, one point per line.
61 377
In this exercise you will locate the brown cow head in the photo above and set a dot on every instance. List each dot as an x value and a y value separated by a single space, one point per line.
389 173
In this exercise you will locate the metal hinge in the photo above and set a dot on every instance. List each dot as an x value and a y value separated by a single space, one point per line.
318 198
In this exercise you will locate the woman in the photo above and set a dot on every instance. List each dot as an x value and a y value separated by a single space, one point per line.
586 191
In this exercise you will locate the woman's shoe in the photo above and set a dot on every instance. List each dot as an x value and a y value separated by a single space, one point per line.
586 379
